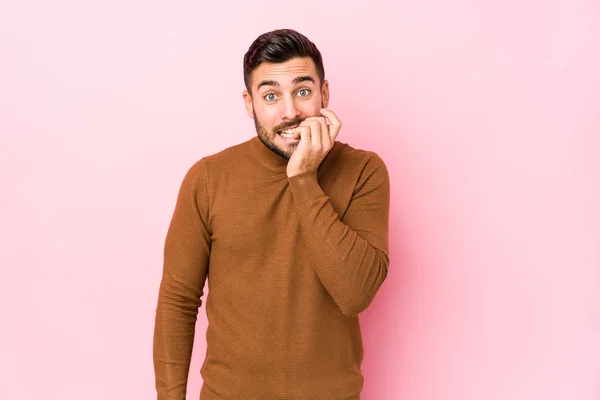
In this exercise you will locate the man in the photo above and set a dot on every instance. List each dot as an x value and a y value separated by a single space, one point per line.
290 228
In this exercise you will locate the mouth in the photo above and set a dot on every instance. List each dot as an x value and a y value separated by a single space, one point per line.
287 133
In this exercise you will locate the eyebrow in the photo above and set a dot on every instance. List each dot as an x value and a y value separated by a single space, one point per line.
298 79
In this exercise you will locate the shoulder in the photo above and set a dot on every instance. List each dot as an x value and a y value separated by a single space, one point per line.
221 161
345 156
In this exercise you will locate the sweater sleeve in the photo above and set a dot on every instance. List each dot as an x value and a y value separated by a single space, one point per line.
349 254
186 255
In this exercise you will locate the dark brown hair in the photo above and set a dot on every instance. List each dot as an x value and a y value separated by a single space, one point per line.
279 46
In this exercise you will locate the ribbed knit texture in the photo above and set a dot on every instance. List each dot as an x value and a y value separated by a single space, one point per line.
290 263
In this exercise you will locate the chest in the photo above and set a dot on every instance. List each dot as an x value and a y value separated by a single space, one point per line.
258 219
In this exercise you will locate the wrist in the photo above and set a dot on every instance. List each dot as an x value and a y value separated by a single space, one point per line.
305 186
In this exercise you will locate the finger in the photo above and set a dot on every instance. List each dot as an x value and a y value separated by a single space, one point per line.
335 123
323 130
303 132
325 135
316 135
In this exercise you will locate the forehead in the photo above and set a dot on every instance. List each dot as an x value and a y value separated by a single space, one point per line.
284 73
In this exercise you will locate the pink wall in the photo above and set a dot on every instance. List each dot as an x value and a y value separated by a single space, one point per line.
487 113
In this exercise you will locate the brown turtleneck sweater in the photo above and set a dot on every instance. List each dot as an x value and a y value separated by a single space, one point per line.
290 263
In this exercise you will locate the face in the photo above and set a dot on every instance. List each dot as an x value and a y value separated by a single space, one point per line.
283 95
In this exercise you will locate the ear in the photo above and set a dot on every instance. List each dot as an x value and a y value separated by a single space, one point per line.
248 103
325 93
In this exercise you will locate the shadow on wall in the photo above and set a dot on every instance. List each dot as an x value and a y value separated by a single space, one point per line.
386 324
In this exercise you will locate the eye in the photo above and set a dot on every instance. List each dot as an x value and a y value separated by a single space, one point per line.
303 92
270 97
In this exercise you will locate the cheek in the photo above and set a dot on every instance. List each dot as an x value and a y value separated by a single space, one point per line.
312 108
267 116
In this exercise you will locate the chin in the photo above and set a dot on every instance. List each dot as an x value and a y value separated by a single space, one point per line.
287 153
284 152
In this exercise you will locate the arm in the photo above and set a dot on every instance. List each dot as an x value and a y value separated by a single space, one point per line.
186 254
349 255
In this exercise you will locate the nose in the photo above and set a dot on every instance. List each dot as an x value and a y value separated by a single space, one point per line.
289 109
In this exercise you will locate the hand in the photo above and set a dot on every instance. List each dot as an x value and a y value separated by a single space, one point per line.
316 139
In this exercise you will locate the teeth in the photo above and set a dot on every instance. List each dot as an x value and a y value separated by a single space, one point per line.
288 132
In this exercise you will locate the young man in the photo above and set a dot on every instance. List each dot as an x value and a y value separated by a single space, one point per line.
290 228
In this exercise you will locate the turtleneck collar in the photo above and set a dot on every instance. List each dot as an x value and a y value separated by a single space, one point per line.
275 162
265 156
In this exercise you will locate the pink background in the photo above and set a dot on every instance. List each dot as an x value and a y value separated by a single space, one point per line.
486 112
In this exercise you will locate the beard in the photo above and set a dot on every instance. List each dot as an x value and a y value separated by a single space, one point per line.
268 138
